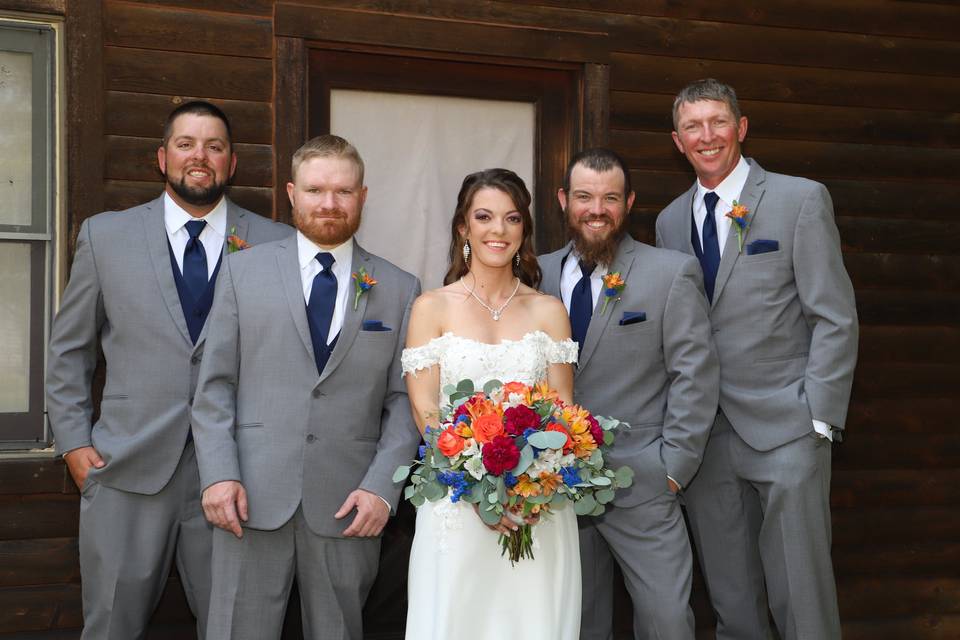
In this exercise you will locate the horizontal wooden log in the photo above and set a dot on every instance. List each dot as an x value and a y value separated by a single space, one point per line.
783 120
130 158
170 29
895 487
909 558
894 524
912 382
893 271
123 194
195 74
144 114
883 597
773 82
863 449
247 7
882 235
35 475
40 608
853 16
55 7
38 562
921 626
899 416
907 306
45 515
885 344
816 160
567 45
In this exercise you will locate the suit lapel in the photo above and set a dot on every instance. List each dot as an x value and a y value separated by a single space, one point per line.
686 221
551 271
598 323
750 198
236 225
159 248
352 318
288 263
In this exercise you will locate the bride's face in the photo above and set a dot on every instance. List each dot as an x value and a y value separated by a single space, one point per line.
494 228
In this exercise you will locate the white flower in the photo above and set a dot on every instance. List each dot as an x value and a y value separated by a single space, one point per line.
474 466
513 400
548 460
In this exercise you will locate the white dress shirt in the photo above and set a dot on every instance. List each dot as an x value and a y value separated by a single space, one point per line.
175 220
310 267
571 274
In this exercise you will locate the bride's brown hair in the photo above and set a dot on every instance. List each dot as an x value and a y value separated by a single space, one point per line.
509 183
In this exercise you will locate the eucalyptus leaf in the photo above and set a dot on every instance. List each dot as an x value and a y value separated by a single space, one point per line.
465 386
596 459
603 496
547 439
492 498
526 459
501 490
608 438
624 477
449 390
585 505
491 386
541 499
408 491
458 395
600 481
433 491
489 516
417 500
401 474
559 500
599 511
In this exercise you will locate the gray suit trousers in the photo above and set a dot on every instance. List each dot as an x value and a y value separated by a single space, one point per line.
763 518
127 544
649 541
253 576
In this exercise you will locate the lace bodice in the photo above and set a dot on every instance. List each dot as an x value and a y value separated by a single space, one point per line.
524 360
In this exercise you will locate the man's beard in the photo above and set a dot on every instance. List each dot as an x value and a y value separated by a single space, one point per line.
596 251
328 232
197 196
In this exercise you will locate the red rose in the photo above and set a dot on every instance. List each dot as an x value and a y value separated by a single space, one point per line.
519 419
500 454
595 430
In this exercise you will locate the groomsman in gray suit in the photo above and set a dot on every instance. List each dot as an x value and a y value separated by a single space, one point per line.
301 415
785 326
646 357
141 286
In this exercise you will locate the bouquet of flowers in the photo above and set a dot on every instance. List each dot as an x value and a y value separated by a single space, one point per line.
515 450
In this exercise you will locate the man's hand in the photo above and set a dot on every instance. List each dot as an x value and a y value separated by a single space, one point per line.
673 486
372 514
79 462
225 505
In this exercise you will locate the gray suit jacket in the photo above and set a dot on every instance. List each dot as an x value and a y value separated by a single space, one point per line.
263 416
784 321
659 375
122 293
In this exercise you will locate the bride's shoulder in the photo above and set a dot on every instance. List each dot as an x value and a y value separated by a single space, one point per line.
435 300
541 303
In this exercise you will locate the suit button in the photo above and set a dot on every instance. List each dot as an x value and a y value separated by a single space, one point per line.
190 401
195 360
317 393
311 437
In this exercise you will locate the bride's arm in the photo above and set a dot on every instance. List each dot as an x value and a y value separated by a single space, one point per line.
556 324
423 384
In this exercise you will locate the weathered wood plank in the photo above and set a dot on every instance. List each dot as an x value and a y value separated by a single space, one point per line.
439 35
170 29
57 7
40 608
866 449
913 381
895 487
883 235
123 194
290 104
652 112
35 475
866 597
196 74
39 516
910 558
887 344
144 114
893 524
933 626
906 306
773 82
130 158
38 562
246 7
892 271
903 416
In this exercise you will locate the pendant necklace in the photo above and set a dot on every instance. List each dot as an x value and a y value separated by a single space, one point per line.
495 313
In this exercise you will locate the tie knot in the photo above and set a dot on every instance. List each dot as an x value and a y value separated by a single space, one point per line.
586 268
711 199
325 259
195 228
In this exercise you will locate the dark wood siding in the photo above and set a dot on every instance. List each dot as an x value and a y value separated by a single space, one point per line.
863 95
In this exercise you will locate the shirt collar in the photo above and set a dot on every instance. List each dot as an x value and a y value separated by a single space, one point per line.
307 251
731 187
574 258
174 217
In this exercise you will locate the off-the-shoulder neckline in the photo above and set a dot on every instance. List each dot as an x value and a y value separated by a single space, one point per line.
504 341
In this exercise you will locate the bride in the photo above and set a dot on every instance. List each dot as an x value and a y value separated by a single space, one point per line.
489 322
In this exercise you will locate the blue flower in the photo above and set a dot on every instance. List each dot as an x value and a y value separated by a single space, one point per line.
509 480
571 476
611 292
528 431
421 451
462 418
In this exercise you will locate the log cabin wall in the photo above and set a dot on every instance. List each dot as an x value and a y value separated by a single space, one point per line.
863 95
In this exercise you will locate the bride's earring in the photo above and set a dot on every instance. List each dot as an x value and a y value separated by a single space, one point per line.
516 259
466 251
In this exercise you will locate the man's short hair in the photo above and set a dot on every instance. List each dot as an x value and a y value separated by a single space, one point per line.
706 89
326 146
200 108
601 160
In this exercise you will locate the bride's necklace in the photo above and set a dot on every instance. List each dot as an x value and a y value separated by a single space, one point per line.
494 313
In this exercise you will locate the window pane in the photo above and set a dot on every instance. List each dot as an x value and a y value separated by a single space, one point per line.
14 327
16 143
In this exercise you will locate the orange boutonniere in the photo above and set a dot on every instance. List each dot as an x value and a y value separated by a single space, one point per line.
613 284
362 283
235 242
739 215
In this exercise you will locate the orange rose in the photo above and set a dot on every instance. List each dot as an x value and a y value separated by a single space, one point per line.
556 426
487 427
518 388
449 443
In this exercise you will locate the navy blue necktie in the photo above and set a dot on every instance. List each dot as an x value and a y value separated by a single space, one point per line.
581 304
710 260
323 299
195 260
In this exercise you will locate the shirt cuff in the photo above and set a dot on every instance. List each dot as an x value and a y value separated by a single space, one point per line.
389 508
823 429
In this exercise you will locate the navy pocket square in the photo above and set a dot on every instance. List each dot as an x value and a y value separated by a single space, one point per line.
374 325
762 246
632 317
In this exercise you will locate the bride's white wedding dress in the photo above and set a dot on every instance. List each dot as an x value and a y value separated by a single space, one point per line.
460 587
